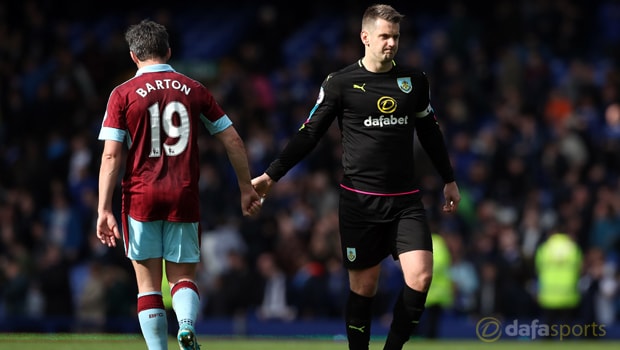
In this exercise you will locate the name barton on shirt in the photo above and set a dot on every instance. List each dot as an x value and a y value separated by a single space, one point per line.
161 85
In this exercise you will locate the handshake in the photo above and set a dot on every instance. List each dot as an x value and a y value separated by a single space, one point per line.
253 200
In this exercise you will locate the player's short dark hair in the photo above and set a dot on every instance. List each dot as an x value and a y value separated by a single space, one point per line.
383 11
147 40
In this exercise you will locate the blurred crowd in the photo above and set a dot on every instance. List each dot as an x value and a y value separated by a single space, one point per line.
527 93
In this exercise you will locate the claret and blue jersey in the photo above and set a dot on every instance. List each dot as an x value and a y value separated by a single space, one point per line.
158 112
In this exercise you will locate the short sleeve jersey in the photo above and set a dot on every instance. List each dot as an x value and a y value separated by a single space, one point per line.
157 113
377 114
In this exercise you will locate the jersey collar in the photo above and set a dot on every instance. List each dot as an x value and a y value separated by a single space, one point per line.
359 63
155 68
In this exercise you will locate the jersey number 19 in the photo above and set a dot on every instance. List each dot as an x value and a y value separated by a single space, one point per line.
180 132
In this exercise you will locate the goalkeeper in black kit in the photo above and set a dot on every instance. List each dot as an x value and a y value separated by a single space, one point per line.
378 105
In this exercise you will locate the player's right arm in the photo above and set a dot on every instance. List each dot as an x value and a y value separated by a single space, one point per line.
107 226
311 131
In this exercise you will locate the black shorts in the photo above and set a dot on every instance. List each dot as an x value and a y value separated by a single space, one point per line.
373 227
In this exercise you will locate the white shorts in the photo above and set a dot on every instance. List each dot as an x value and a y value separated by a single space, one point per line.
174 241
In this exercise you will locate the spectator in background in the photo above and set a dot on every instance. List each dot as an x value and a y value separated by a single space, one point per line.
234 291
274 303
600 286
441 292
120 301
15 290
54 284
308 287
489 294
337 286
465 279
514 276
610 136
215 247
605 231
64 223
91 306
559 263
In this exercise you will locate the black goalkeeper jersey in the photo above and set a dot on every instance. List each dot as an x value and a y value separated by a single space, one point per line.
377 115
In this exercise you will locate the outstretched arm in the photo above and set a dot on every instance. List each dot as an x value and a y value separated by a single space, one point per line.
297 148
303 142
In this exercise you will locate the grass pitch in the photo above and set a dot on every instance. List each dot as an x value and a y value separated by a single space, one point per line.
135 342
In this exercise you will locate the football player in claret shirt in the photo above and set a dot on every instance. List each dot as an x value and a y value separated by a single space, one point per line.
378 105
158 113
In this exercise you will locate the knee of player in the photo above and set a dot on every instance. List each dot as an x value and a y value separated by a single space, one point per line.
419 280
425 278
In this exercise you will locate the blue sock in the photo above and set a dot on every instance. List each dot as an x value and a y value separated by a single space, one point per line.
185 302
153 321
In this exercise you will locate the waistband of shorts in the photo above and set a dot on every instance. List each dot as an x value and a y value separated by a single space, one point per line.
378 193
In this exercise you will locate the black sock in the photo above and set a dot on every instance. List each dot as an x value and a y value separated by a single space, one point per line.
406 315
358 315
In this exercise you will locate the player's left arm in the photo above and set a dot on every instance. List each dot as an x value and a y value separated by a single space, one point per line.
432 140
237 155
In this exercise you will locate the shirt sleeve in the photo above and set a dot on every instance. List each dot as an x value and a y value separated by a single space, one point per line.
431 137
309 134
297 148
217 126
113 126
